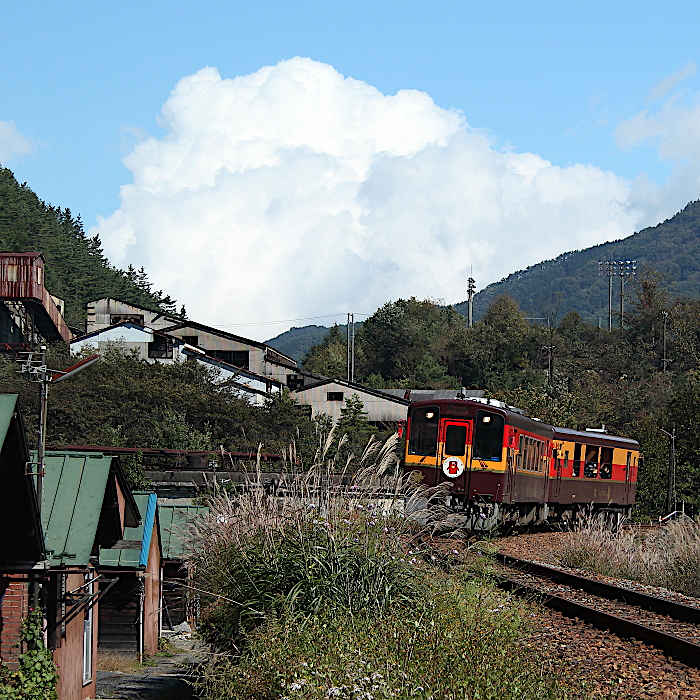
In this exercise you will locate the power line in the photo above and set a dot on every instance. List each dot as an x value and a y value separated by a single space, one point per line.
284 320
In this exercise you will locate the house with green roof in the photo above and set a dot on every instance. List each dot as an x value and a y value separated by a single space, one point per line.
85 506
130 618
176 521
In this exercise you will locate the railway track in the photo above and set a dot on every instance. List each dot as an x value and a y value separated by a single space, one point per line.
666 623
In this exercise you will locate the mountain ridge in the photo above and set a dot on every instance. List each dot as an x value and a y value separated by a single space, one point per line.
571 281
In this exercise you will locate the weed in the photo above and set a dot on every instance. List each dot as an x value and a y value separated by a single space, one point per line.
668 556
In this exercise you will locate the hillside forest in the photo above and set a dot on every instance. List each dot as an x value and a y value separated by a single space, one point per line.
77 270
615 379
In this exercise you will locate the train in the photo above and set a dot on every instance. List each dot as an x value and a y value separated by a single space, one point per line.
503 469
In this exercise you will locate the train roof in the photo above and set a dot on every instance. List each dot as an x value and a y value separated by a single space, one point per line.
519 419
593 437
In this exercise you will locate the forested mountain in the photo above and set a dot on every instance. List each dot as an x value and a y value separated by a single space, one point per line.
296 341
571 281
76 269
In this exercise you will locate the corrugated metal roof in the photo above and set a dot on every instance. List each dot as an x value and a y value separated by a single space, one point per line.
174 523
8 402
136 556
72 497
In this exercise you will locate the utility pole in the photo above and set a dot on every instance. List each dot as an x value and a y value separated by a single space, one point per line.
33 364
347 335
350 335
671 496
352 347
471 288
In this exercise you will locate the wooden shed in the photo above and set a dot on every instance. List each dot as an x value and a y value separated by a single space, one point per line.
180 603
85 505
130 613
24 549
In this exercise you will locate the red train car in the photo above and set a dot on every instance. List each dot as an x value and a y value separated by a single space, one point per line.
505 468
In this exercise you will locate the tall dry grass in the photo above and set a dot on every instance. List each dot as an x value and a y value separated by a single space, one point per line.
333 536
668 556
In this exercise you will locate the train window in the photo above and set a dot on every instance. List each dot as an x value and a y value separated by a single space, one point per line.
566 460
423 432
606 459
577 460
488 436
519 456
38 275
590 467
455 439
540 455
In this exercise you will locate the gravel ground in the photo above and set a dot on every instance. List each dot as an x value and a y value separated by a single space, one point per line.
165 680
605 664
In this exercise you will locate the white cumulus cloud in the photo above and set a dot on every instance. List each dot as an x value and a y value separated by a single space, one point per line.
295 191
12 142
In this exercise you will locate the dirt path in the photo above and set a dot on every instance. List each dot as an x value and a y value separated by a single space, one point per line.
165 680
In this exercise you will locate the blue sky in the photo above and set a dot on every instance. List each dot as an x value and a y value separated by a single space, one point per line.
83 83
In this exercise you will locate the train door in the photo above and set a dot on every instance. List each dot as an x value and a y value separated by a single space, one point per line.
628 477
556 486
455 451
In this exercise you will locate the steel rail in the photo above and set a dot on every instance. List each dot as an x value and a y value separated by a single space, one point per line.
682 649
672 608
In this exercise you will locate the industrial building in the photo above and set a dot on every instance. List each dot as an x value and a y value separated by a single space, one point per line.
29 314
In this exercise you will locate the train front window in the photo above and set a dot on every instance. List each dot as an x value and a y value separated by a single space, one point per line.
488 436
455 440
424 432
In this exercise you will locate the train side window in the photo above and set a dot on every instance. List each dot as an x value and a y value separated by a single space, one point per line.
540 456
526 454
590 468
488 436
566 460
455 440
627 466
606 460
424 432
577 460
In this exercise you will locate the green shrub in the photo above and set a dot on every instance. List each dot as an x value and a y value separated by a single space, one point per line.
461 640
36 676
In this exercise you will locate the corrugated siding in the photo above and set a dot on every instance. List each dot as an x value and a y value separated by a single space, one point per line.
175 521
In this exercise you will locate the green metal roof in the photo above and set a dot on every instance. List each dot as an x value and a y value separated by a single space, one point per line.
8 402
174 524
71 503
135 556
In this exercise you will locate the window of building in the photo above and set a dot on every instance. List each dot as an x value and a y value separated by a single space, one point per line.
191 339
238 358
455 440
334 396
590 467
87 633
488 436
161 348
423 435
295 381
576 463
11 272
606 459
126 318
